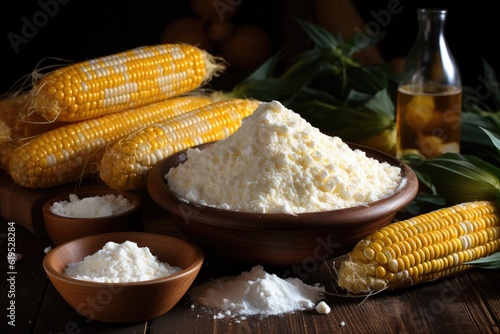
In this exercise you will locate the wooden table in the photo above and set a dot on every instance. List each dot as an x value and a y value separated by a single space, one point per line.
469 303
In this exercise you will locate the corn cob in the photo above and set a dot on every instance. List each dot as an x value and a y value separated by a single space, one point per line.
19 126
122 81
15 115
427 247
10 111
6 150
126 165
9 107
73 151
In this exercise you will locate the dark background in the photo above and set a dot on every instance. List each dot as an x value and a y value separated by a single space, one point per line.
472 32
76 30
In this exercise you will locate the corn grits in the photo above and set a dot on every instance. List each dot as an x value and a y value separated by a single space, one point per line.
276 162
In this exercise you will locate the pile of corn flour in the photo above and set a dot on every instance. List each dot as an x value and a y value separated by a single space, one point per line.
119 263
91 207
256 292
276 162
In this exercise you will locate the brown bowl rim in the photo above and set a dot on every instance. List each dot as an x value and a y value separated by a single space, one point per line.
90 193
405 192
200 257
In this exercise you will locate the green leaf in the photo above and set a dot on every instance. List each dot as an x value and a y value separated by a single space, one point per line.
264 71
495 139
460 178
366 79
261 84
492 83
488 262
361 40
309 93
305 64
471 128
343 121
319 35
356 98
424 203
265 89
483 165
382 105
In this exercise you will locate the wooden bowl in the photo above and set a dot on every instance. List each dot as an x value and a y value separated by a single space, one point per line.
61 229
124 302
280 239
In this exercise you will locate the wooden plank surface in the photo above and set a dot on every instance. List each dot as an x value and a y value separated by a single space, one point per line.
30 281
469 303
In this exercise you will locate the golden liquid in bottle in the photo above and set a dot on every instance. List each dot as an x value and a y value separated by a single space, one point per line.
428 120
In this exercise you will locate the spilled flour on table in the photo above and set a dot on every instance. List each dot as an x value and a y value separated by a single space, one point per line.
256 292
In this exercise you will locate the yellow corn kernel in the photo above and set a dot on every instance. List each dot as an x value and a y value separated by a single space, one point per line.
126 165
72 151
122 81
435 245
6 150
17 121
9 113
18 125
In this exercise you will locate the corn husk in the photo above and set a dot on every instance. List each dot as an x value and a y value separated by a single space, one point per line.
488 262
462 178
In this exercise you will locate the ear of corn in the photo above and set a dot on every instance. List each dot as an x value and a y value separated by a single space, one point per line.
73 151
427 247
10 111
8 117
17 126
6 150
126 165
20 123
122 81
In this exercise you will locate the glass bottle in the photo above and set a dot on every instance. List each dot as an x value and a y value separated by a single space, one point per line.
429 99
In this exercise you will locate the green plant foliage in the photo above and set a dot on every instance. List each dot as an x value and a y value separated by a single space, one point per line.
339 95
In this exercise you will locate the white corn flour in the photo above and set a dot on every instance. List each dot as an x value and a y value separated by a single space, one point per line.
256 292
119 263
277 162
91 207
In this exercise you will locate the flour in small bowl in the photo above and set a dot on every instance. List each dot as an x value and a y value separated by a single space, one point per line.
256 292
92 207
120 263
277 162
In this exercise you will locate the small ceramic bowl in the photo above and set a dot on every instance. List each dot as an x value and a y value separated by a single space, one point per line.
124 302
280 239
61 229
